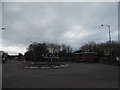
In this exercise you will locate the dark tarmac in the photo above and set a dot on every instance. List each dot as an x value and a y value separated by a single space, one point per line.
79 75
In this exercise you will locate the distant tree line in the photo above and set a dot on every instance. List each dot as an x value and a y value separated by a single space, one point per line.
102 49
37 51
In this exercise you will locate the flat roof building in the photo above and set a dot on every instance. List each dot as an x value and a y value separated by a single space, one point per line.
85 56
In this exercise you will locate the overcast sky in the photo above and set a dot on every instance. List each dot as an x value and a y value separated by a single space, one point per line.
70 23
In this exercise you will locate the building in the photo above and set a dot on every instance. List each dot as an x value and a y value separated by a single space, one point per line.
13 57
85 56
3 56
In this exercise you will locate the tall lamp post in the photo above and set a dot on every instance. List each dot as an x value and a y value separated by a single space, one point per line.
109 40
3 28
109 32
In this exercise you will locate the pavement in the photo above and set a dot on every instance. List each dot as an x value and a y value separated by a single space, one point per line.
79 75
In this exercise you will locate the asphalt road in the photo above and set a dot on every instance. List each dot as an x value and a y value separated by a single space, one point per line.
79 75
0 75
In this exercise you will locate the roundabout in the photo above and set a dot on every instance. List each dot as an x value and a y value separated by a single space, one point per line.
49 64
46 66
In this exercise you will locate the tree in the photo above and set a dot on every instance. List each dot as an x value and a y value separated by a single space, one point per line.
29 56
102 48
20 56
65 51
53 47
35 51
89 47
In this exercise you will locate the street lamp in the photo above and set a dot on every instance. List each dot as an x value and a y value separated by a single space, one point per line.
109 32
109 39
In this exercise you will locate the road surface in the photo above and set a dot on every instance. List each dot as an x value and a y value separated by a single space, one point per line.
79 75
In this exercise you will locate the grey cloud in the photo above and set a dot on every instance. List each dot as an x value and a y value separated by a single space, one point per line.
58 22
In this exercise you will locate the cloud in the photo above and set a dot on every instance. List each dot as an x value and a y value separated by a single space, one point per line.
70 23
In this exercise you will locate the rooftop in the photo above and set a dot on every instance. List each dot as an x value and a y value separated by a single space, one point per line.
85 53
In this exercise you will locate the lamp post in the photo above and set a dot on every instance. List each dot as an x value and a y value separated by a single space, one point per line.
109 40
109 32
3 58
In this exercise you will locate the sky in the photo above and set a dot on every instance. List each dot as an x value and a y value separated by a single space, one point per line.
71 23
